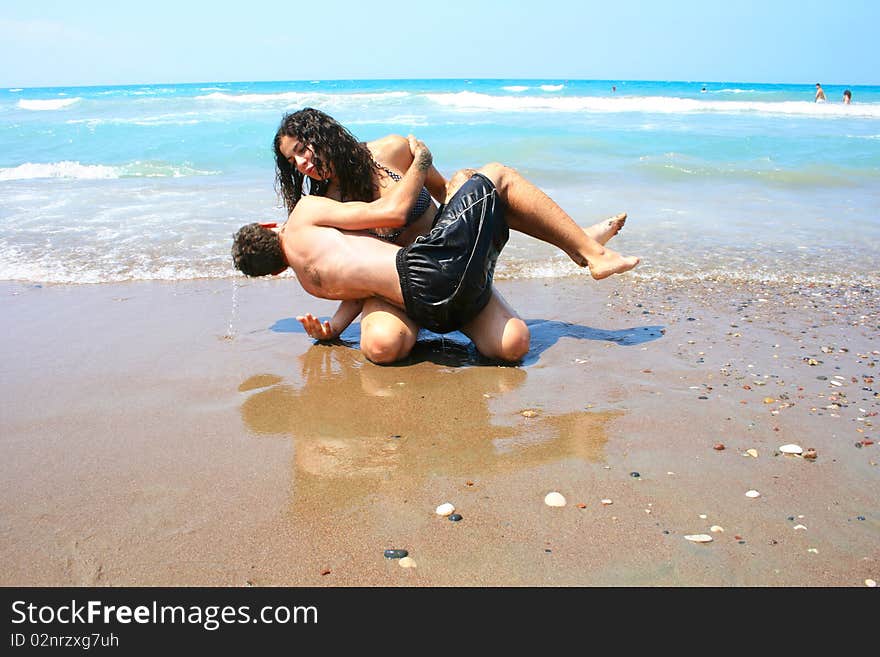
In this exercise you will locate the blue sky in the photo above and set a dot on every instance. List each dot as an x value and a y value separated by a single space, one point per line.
85 42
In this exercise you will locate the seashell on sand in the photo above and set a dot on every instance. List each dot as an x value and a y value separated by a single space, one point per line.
554 499
791 449
752 493
699 538
444 509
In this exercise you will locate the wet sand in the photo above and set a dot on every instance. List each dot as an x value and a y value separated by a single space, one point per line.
191 434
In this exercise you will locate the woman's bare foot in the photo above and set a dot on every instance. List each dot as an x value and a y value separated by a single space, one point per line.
605 230
610 262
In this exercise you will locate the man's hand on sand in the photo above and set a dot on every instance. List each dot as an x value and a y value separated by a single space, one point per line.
316 328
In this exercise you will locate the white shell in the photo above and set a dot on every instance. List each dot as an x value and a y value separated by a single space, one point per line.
554 499
752 452
716 528
699 538
752 493
606 502
444 509
871 583
407 562
791 449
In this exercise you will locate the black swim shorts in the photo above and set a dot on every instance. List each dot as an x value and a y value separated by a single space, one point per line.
446 275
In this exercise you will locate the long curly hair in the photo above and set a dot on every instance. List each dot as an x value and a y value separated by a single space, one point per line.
332 144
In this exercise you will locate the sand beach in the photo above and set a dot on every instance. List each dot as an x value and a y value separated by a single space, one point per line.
189 433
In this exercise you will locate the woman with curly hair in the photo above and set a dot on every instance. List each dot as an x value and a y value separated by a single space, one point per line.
312 146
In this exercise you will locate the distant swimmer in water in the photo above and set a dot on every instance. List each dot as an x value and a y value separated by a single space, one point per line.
703 90
847 97
820 94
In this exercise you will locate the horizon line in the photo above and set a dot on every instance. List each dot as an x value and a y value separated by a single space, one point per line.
409 79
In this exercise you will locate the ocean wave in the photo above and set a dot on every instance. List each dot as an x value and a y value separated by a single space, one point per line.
401 119
552 87
515 88
470 101
561 267
160 120
674 167
78 171
15 91
47 105
298 97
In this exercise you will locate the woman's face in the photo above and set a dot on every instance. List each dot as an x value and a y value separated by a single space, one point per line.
300 156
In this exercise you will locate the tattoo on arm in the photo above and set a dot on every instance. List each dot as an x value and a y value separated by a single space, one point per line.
424 159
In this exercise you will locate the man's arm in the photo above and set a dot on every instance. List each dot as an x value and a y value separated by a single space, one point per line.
329 330
388 211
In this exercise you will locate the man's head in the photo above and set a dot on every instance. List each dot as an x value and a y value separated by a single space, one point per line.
256 251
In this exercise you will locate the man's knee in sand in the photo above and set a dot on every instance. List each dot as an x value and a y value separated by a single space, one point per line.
455 182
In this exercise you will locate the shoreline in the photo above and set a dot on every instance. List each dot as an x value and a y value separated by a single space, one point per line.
190 433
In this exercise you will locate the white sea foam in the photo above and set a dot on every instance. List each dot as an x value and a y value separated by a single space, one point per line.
75 170
159 120
67 169
469 101
400 119
298 97
552 87
515 88
15 91
46 105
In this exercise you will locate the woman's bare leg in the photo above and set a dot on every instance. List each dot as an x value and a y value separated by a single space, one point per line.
531 211
605 230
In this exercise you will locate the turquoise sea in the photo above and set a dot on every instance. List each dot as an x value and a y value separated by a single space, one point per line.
741 181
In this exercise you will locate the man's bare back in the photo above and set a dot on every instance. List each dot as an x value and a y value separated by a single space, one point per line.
337 264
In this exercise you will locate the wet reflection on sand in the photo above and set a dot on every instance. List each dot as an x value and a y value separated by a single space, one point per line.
356 425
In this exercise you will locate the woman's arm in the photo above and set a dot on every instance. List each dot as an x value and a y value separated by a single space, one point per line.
389 210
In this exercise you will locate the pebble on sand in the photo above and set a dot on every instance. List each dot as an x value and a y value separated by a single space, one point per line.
752 452
752 493
606 502
716 528
699 538
529 413
554 499
444 509
395 554
791 449
407 562
871 583
810 453
719 446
